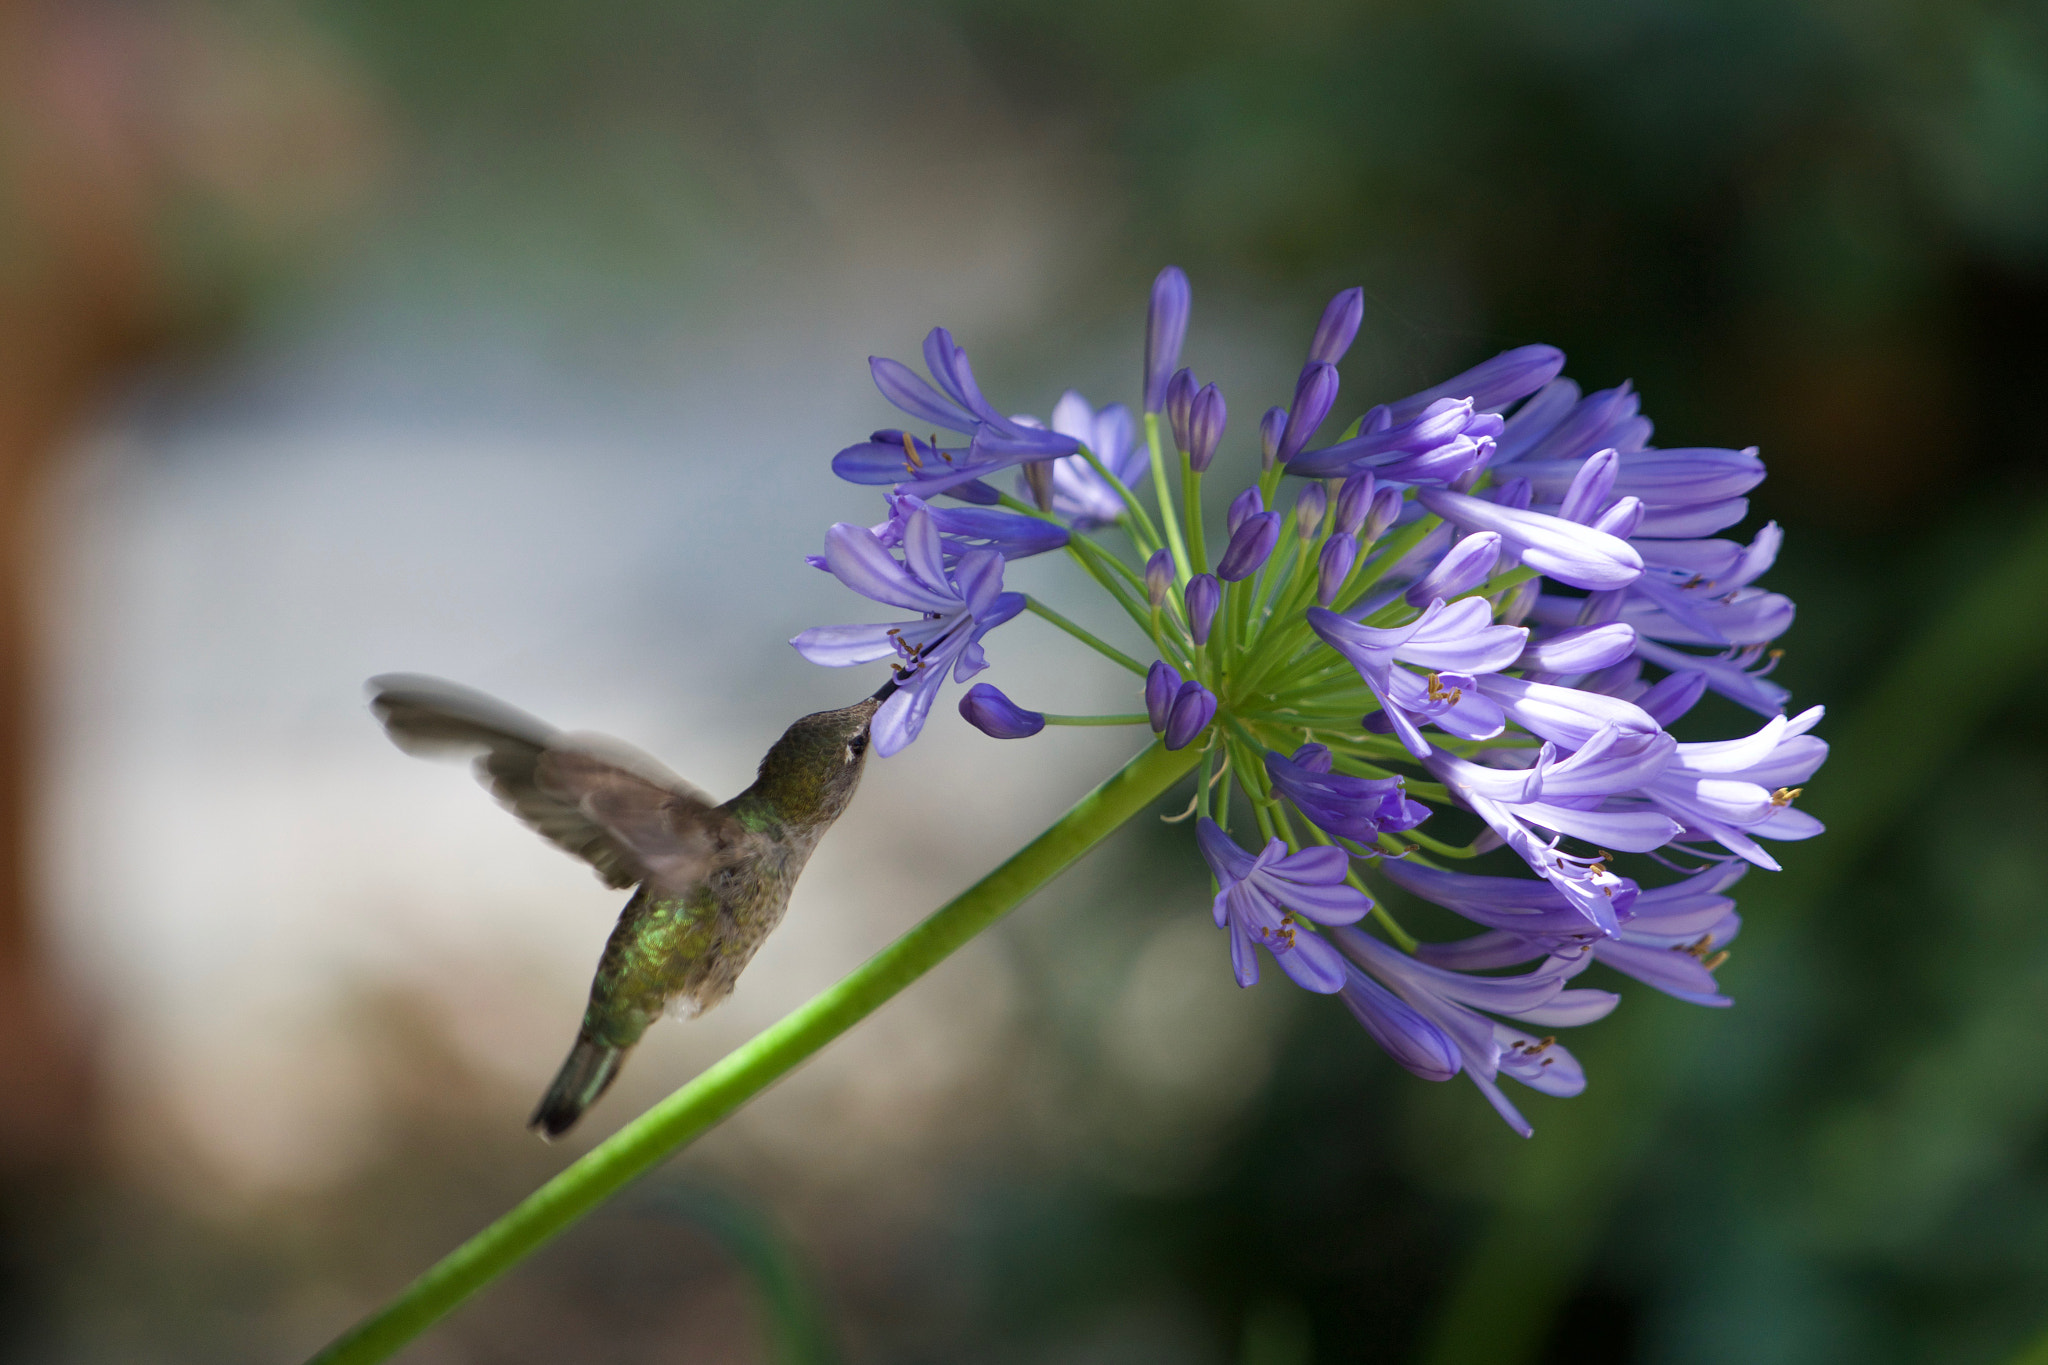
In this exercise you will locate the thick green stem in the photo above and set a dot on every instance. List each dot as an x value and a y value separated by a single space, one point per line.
753 1067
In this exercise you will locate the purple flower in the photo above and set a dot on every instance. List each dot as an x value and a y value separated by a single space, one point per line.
1251 544
957 609
996 442
1245 504
1731 790
1166 327
1357 808
1271 427
1456 642
896 457
1464 567
1263 900
1354 500
1194 706
1671 937
1490 385
1338 327
1439 445
1159 577
1207 417
1180 405
1558 425
1559 549
1384 512
1080 496
1333 566
1309 509
1555 795
1581 649
1487 1049
1202 596
1315 393
1162 685
1536 915
1739 675
996 716
963 529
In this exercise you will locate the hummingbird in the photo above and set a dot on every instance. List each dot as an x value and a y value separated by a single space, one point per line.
710 882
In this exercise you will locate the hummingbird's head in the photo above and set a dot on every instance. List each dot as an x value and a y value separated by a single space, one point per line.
811 773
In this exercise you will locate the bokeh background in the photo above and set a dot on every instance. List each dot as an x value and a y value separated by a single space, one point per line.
509 341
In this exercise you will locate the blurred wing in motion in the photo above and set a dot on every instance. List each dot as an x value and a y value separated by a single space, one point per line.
600 799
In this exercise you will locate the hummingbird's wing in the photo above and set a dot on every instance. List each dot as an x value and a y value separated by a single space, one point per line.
600 799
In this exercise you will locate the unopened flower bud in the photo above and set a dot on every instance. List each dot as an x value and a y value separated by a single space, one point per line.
1354 500
1338 328
1622 519
996 716
1270 428
1194 706
1333 566
1162 683
1308 511
1386 510
1159 577
1314 758
1038 478
1202 597
1245 504
1206 419
1464 567
1591 487
1315 393
1166 326
1251 544
1180 401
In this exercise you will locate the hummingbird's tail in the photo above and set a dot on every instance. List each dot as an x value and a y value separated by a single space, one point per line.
590 1070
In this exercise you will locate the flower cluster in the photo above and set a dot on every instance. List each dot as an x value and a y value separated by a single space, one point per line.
1488 602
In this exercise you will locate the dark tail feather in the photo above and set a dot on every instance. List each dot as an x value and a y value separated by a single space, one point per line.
589 1072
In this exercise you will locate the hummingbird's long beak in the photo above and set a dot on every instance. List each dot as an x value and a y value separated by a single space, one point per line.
886 690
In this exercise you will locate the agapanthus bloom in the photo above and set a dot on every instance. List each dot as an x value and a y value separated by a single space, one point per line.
1492 597
958 607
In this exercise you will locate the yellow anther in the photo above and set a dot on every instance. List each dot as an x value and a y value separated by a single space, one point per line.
1784 796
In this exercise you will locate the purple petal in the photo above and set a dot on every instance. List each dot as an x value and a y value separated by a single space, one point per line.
1564 550
1166 327
858 560
846 646
996 716
1581 649
1314 395
1406 1036
1312 964
902 387
1468 563
1492 383
1202 596
1250 546
1338 327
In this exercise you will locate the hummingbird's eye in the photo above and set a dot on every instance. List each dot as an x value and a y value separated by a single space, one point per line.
856 746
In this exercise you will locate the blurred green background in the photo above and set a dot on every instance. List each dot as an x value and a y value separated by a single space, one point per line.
511 340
